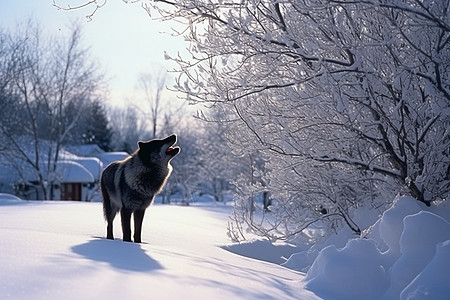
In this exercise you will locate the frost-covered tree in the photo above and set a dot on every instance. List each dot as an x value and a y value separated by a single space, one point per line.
345 99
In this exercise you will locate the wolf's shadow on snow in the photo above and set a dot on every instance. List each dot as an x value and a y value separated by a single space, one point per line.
120 255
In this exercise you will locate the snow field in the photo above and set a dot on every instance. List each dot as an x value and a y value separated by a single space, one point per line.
56 250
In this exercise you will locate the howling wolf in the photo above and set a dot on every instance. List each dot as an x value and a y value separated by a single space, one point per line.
130 185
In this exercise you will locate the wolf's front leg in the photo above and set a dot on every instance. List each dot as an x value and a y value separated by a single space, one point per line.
125 215
138 218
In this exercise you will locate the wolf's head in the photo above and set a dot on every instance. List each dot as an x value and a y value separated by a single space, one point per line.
158 151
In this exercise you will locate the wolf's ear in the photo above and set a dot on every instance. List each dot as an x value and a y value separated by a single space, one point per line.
140 144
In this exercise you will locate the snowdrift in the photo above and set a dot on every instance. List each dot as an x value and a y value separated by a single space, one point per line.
404 255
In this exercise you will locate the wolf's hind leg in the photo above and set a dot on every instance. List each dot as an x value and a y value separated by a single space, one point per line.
109 211
138 218
110 220
125 215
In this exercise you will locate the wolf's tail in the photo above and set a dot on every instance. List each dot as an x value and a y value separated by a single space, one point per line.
107 187
106 199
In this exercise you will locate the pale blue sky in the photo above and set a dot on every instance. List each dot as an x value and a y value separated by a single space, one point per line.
122 37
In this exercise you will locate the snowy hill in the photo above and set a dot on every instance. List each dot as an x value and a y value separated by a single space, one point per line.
56 250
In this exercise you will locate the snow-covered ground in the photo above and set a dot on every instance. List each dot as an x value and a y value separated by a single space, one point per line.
56 250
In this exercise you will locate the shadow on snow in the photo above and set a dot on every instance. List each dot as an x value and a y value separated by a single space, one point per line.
120 255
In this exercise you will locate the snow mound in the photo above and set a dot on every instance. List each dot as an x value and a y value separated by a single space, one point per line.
391 225
354 272
263 250
427 285
406 255
9 199
423 232
301 261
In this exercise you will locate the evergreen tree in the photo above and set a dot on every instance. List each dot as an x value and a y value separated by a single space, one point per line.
97 129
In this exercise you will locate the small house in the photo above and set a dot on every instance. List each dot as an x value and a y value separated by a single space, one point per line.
76 176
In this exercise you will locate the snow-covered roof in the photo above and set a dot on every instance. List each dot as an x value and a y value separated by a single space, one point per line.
85 166
109 157
73 172
66 172
92 164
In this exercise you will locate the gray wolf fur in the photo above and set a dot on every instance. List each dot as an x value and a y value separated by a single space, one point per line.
130 185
